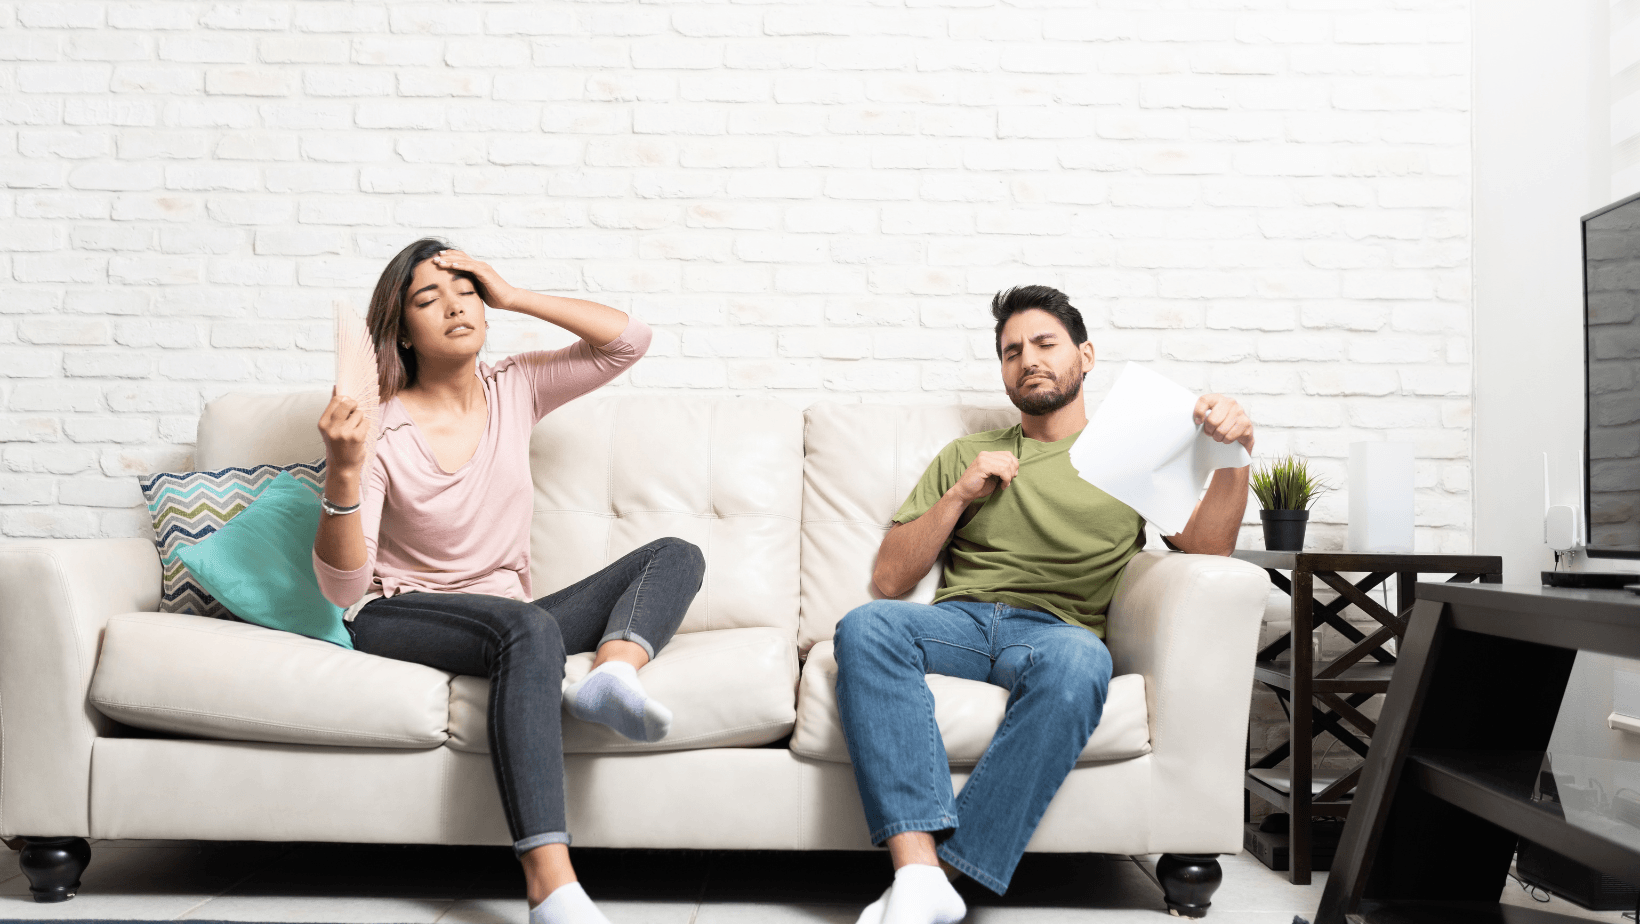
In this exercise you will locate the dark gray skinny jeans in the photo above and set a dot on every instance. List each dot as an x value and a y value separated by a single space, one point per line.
521 648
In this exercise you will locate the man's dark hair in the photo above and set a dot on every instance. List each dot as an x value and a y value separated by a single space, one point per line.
1009 302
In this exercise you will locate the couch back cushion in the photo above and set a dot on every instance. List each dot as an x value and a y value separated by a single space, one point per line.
860 461
610 474
250 428
724 473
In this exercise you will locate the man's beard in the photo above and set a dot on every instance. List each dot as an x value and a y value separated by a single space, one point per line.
1046 401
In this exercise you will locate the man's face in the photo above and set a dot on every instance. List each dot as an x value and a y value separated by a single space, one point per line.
1041 368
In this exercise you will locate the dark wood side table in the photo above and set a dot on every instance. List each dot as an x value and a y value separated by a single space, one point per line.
1326 697
1449 786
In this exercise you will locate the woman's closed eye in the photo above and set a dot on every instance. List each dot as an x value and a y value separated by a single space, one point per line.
435 298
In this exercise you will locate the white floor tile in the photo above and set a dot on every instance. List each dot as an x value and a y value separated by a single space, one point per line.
153 881
648 912
516 911
194 870
119 906
749 913
1253 887
1254 917
1115 916
97 844
1065 916
313 908
148 883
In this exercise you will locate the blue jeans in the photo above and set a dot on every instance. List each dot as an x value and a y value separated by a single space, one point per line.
1056 675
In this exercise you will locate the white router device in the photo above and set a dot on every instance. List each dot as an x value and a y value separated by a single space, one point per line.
1562 527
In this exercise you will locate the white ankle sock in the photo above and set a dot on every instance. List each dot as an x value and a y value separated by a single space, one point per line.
874 911
611 695
568 904
922 895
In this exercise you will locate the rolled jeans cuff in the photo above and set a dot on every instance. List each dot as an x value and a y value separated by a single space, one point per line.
627 635
540 840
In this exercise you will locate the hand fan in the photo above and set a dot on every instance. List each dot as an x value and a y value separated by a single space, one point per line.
356 375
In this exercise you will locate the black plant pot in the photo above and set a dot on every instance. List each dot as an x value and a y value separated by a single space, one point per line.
1284 529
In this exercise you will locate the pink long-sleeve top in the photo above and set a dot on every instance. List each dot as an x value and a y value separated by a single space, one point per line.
468 531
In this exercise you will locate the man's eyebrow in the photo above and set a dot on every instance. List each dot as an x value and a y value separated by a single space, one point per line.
1034 338
423 289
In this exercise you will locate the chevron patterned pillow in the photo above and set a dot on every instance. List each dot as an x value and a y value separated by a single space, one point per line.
188 506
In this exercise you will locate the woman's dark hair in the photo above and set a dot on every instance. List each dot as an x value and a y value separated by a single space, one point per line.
1009 302
395 364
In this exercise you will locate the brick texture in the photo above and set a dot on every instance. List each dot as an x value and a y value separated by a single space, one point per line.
810 201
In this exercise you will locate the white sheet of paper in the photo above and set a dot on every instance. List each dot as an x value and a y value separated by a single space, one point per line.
1142 448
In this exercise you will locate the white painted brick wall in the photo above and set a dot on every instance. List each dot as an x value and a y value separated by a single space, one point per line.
809 200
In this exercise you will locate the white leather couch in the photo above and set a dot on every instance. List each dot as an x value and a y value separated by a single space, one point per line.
119 722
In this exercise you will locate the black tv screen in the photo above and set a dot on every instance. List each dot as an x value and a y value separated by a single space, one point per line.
1611 344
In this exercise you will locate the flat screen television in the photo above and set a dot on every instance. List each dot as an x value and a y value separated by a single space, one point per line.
1611 369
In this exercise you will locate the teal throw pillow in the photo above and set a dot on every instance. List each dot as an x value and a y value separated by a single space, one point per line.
259 564
188 506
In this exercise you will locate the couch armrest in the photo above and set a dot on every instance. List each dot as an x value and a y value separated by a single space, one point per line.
55 597
1190 625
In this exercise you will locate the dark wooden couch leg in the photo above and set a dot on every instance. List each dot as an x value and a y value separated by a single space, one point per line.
53 866
1188 882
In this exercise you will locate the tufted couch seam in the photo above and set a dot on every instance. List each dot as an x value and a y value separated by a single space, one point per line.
152 707
740 646
276 638
621 746
649 748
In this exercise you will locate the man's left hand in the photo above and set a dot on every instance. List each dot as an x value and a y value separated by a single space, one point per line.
1224 420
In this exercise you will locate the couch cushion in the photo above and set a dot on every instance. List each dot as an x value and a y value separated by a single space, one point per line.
174 672
726 688
859 463
260 564
189 507
724 473
968 713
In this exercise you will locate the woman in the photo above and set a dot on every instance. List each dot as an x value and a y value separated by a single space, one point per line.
429 549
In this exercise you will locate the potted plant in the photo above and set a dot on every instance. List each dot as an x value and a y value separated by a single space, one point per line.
1286 489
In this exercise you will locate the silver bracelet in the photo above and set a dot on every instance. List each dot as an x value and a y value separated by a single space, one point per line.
333 510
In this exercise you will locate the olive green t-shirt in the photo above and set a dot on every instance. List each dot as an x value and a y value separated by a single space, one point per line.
1049 541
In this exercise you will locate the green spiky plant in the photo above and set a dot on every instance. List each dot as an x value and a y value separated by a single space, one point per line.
1287 484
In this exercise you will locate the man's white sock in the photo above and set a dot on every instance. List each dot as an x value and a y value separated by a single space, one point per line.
874 911
568 904
611 695
922 895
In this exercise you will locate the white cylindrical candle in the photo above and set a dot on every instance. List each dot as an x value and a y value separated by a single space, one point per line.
1380 497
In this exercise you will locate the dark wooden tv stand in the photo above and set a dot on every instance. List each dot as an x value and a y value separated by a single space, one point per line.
1448 786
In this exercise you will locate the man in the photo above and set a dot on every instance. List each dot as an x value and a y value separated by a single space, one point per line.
1035 555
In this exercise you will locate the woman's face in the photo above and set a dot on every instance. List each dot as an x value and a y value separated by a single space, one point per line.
443 315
